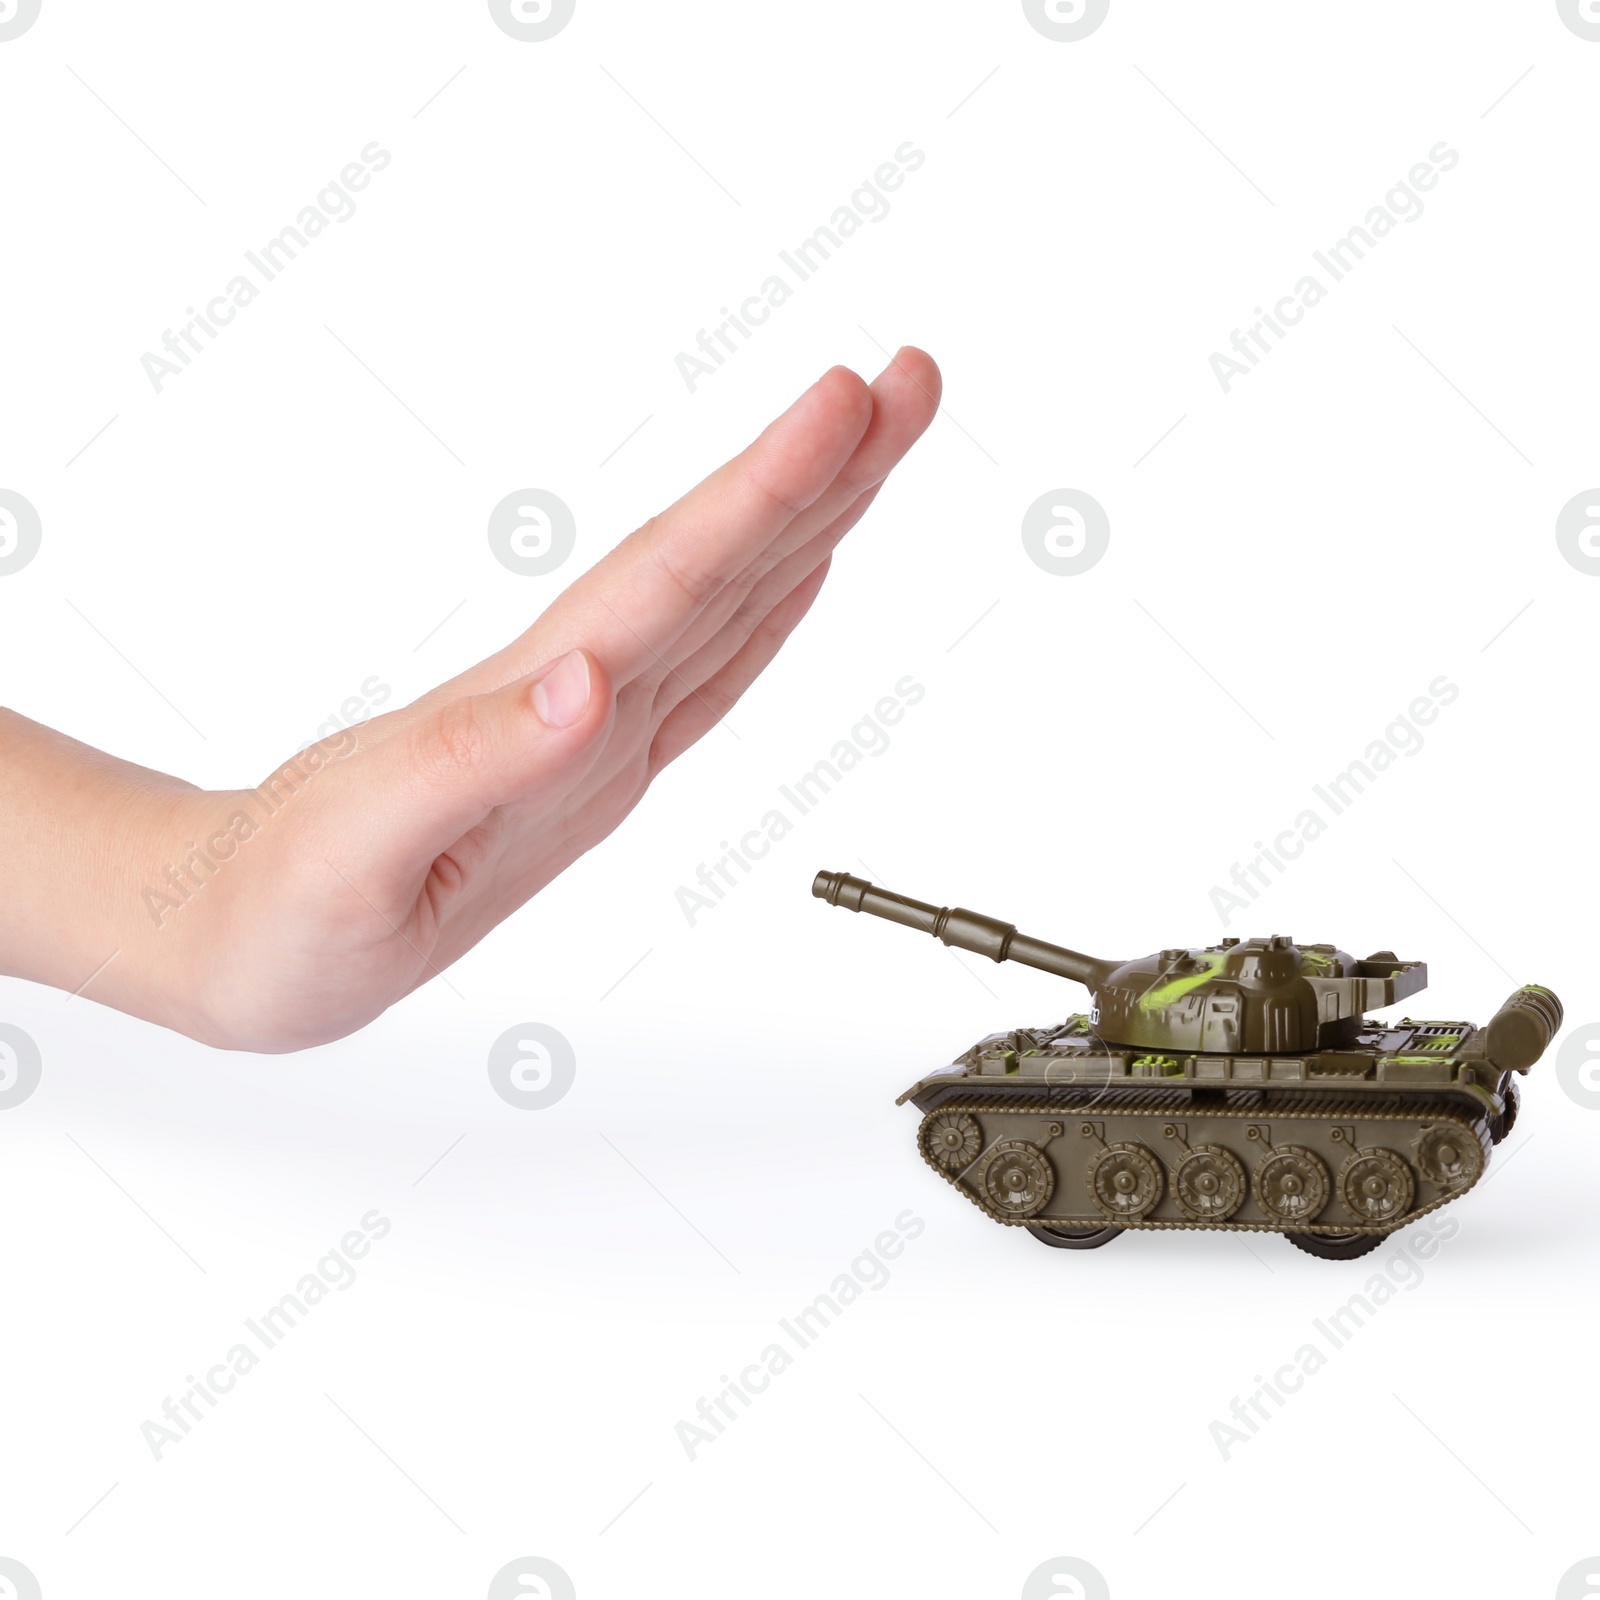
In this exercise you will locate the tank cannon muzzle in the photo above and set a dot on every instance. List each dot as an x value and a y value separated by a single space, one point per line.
964 930
1519 1032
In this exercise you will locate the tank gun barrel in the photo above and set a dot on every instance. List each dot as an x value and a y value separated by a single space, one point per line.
965 930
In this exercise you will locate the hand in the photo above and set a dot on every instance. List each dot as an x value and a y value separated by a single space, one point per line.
293 914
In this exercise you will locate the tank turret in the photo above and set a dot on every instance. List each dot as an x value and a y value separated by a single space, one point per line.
1251 995
1239 1085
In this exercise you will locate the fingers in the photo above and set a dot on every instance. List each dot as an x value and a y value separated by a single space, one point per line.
905 398
412 797
631 608
767 595
647 702
714 533
712 701
635 608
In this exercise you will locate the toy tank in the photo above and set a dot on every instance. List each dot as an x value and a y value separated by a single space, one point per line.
1240 1087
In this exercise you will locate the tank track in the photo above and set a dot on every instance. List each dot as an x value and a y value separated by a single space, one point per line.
1243 1106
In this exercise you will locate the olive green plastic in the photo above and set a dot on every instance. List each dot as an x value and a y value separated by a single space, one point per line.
1239 1086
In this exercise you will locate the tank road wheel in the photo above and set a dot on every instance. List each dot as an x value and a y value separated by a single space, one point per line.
1500 1126
1073 1238
1448 1155
1017 1180
1376 1185
1126 1181
1292 1184
1336 1246
1209 1184
950 1139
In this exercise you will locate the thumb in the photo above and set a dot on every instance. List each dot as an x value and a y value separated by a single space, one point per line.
534 739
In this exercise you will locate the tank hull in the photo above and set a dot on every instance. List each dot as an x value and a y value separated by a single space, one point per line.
1053 1130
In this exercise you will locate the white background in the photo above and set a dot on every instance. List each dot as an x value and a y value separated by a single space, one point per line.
1289 567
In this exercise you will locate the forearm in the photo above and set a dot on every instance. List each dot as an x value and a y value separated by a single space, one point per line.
76 829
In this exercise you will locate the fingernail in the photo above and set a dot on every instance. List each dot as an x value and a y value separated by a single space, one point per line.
561 696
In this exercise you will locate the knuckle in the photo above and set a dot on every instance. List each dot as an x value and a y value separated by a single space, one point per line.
696 587
715 701
774 500
454 743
